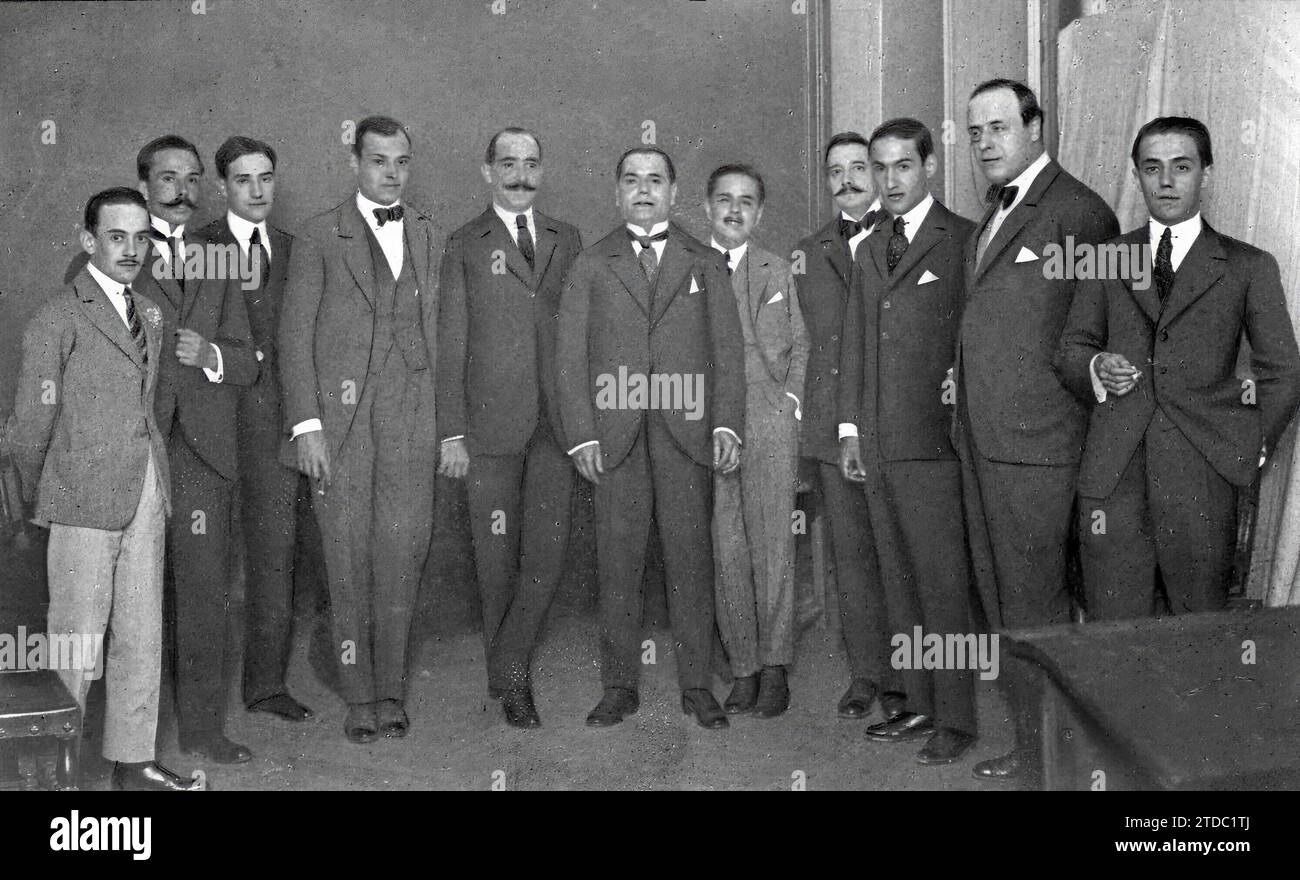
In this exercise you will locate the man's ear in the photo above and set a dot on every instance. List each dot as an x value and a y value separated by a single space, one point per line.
486 171
87 242
353 163
221 190
758 217
672 195
931 165
1036 128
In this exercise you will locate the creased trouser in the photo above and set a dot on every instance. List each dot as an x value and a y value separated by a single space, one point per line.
113 580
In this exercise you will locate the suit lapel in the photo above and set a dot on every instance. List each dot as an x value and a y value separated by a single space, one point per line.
1148 300
926 238
758 273
356 250
623 263
416 232
836 249
973 244
547 238
675 265
166 283
95 303
1020 215
1203 266
502 241
279 258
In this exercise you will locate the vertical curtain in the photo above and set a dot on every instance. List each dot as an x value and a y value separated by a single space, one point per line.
1236 67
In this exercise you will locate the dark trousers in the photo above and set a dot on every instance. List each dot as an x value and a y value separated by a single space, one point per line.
1171 510
269 492
376 518
656 479
915 524
519 518
863 615
198 536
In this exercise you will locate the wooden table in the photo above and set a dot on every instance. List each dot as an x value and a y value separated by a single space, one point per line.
1171 703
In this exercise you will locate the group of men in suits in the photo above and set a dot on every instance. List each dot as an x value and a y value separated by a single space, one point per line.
964 416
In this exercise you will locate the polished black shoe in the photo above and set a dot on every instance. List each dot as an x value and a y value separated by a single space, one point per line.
390 717
282 706
857 700
615 704
519 708
361 726
217 749
946 746
743 696
893 704
907 726
150 776
1008 766
700 703
773 692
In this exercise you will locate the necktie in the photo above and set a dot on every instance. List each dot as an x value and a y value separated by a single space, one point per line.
395 213
261 259
133 323
525 238
1164 266
727 256
648 259
897 244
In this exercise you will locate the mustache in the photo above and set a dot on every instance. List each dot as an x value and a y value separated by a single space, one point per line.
521 187
849 188
181 200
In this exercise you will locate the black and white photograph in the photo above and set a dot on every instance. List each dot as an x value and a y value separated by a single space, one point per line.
651 395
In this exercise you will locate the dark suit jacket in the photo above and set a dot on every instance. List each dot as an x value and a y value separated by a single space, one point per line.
1187 353
83 423
899 339
496 333
607 321
327 319
823 291
1019 411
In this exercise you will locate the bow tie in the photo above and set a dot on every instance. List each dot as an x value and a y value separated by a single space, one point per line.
159 236
383 215
850 228
645 240
1005 194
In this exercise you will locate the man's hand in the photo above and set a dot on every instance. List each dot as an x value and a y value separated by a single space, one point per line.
1117 375
314 459
194 351
454 459
851 460
726 452
587 461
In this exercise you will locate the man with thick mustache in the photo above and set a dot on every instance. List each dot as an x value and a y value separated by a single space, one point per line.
499 295
649 299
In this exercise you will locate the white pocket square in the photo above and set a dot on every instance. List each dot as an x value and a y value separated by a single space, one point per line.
1026 256
695 287
926 277
779 296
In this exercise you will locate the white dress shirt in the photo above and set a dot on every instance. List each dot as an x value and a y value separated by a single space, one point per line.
512 224
113 290
390 235
659 255
866 230
242 230
165 248
1023 181
912 221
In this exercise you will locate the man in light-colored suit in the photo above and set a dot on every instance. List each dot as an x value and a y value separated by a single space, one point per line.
88 447
753 532
357 355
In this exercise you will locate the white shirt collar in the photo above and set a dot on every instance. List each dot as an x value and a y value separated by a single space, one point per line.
737 253
875 206
1025 179
109 286
508 217
166 228
654 230
367 209
242 230
913 219
1190 228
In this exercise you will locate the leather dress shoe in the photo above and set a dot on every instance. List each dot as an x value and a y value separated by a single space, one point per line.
1009 766
217 749
700 703
282 706
361 726
615 704
857 700
390 716
149 776
946 746
907 726
893 704
519 708
773 692
743 696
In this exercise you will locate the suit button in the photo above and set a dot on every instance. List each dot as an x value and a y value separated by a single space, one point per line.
884 335
1164 370
1164 335
835 371
835 339
885 304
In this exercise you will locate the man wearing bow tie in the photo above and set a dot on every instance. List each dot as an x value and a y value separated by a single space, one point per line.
648 304
197 400
268 488
357 355
827 260
86 441
501 277
1174 433
1018 429
752 509
900 329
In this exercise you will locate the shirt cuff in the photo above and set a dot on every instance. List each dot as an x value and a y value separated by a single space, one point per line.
1098 389
798 413
580 445
306 428
848 429
732 433
219 373
449 439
